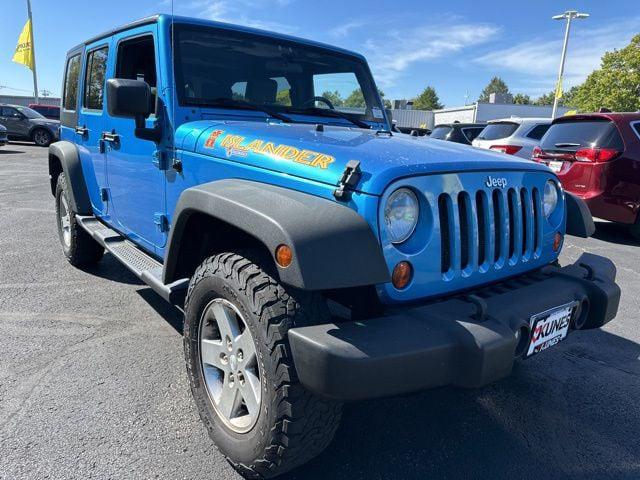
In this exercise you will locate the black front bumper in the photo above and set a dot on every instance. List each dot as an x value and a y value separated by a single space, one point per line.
466 341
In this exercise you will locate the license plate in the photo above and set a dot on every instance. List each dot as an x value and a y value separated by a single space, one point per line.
549 328
555 166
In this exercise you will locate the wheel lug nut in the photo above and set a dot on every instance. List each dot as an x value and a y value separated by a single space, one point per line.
240 355
229 343
223 358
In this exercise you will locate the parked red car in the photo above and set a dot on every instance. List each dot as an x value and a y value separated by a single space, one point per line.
597 157
47 111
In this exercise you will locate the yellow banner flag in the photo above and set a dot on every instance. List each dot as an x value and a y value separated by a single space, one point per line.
559 89
24 50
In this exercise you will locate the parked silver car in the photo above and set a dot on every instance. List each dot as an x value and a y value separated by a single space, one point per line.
23 123
514 136
3 136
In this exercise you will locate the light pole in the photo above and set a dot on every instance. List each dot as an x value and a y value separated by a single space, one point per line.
568 16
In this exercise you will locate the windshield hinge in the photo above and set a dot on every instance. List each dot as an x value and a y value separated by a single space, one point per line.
161 221
160 160
350 178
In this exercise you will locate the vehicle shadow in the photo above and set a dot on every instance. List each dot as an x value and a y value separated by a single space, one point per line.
614 233
6 151
570 413
110 268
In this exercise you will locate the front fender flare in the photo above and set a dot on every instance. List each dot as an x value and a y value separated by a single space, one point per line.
333 246
67 154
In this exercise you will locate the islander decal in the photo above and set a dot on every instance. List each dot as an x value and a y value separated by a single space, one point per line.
239 146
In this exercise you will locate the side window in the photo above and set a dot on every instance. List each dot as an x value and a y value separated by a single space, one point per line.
341 89
471 133
137 61
538 132
95 78
636 126
71 77
283 94
10 112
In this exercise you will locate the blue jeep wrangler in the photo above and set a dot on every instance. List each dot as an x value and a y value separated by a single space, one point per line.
318 257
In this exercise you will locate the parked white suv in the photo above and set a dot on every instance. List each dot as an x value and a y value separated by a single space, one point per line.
514 136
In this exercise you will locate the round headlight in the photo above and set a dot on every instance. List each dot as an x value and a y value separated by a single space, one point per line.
401 214
550 200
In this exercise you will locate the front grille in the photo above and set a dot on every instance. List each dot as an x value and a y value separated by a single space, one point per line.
488 229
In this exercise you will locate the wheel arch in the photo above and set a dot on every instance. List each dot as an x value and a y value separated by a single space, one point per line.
64 157
333 246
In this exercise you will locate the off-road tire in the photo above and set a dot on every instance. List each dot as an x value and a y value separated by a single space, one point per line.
293 425
41 137
82 250
635 229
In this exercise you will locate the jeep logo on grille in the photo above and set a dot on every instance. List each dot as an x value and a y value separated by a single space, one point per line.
492 182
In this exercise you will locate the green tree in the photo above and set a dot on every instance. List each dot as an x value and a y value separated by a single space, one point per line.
495 85
565 101
521 99
283 97
334 97
385 103
615 85
546 99
355 99
427 100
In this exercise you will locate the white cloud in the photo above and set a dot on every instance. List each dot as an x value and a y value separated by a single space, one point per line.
235 11
346 28
391 55
538 58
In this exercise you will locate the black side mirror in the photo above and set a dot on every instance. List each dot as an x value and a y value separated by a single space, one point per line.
130 99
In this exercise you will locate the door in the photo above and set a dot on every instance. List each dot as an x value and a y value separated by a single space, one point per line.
136 184
15 122
91 120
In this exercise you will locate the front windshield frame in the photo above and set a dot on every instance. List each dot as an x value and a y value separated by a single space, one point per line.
29 112
374 112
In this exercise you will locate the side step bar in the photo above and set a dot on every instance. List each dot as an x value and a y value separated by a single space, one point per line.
143 266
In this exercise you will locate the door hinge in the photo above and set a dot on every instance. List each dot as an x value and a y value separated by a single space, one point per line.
160 160
104 194
350 178
161 221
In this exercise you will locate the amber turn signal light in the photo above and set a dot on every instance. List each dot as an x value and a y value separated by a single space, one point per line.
402 274
557 241
284 256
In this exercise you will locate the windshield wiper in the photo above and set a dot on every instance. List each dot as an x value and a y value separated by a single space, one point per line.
567 144
324 112
241 105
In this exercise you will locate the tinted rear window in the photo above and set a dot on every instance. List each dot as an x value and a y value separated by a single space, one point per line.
440 133
538 132
472 132
493 131
580 134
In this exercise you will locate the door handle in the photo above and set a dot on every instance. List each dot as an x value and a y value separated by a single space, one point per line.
82 131
111 137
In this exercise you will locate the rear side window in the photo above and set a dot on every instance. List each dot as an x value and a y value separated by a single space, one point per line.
494 131
538 132
94 79
71 76
472 132
441 133
571 136
636 126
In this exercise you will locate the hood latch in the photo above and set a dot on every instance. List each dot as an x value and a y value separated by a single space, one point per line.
350 178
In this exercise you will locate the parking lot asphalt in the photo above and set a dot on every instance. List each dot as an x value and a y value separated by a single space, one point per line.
93 384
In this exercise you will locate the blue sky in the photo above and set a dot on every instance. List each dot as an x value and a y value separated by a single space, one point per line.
454 46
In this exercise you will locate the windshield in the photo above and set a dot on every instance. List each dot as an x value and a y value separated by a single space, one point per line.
28 112
440 133
494 131
571 136
214 66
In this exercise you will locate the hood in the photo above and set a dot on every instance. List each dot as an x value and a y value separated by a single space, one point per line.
300 150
